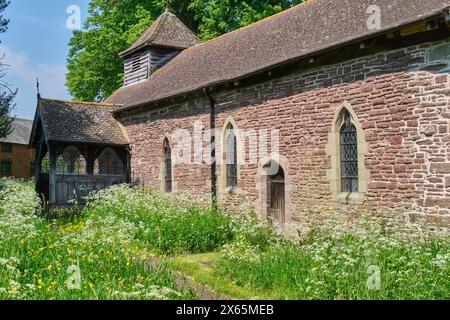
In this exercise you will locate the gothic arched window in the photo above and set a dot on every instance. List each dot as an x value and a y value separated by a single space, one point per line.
231 157
108 163
71 161
349 154
167 166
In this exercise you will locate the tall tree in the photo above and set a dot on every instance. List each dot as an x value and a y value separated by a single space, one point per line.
95 69
6 94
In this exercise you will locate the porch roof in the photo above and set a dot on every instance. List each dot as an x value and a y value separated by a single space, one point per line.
80 122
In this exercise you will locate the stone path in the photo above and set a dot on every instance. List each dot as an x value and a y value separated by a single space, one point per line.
185 282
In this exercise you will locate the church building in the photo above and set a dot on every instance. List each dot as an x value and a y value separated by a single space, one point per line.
330 103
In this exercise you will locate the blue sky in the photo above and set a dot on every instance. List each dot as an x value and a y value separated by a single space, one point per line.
36 45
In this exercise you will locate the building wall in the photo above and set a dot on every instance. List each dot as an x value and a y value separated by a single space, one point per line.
21 158
400 102
147 131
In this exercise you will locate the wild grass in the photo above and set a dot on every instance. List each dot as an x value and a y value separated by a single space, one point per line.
367 258
166 224
87 258
122 228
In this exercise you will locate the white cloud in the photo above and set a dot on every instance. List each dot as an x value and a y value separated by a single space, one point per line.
22 73
51 77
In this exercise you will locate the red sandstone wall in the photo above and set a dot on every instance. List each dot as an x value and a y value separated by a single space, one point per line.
404 113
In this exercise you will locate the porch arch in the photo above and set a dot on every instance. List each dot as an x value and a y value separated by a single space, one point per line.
71 161
108 163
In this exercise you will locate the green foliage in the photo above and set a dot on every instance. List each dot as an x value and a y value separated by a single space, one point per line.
6 106
168 224
18 197
336 261
6 94
116 237
95 69
222 16
35 256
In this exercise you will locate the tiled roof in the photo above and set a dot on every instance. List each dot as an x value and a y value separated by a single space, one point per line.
166 31
20 132
304 30
71 121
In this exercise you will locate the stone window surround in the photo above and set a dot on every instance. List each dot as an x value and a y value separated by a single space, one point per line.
334 151
162 173
222 181
261 187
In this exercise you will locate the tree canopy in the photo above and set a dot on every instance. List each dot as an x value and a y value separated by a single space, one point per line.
95 69
6 94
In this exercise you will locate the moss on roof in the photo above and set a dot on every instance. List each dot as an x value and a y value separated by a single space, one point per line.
166 31
81 122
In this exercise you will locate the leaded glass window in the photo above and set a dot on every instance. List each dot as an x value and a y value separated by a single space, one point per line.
232 160
349 154
6 147
167 166
5 168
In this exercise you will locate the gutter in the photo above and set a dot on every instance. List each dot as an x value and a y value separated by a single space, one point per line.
212 117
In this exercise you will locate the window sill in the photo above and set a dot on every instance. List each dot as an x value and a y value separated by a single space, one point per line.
351 198
233 190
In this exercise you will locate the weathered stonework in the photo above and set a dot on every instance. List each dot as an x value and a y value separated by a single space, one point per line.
333 150
401 102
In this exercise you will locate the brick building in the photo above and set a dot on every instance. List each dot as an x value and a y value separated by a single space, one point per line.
16 159
342 103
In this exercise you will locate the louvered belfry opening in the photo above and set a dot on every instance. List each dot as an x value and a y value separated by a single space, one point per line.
136 67
349 154
231 158
168 167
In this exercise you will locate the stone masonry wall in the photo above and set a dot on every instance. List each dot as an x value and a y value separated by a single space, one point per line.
400 99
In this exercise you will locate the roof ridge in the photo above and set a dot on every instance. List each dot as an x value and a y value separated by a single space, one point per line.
79 122
21 119
156 31
284 38
218 37
105 104
254 23
157 28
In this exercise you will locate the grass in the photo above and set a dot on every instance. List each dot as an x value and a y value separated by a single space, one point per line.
201 268
43 260
108 245
377 259
167 224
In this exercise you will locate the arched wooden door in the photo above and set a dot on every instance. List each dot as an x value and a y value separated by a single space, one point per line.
276 190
